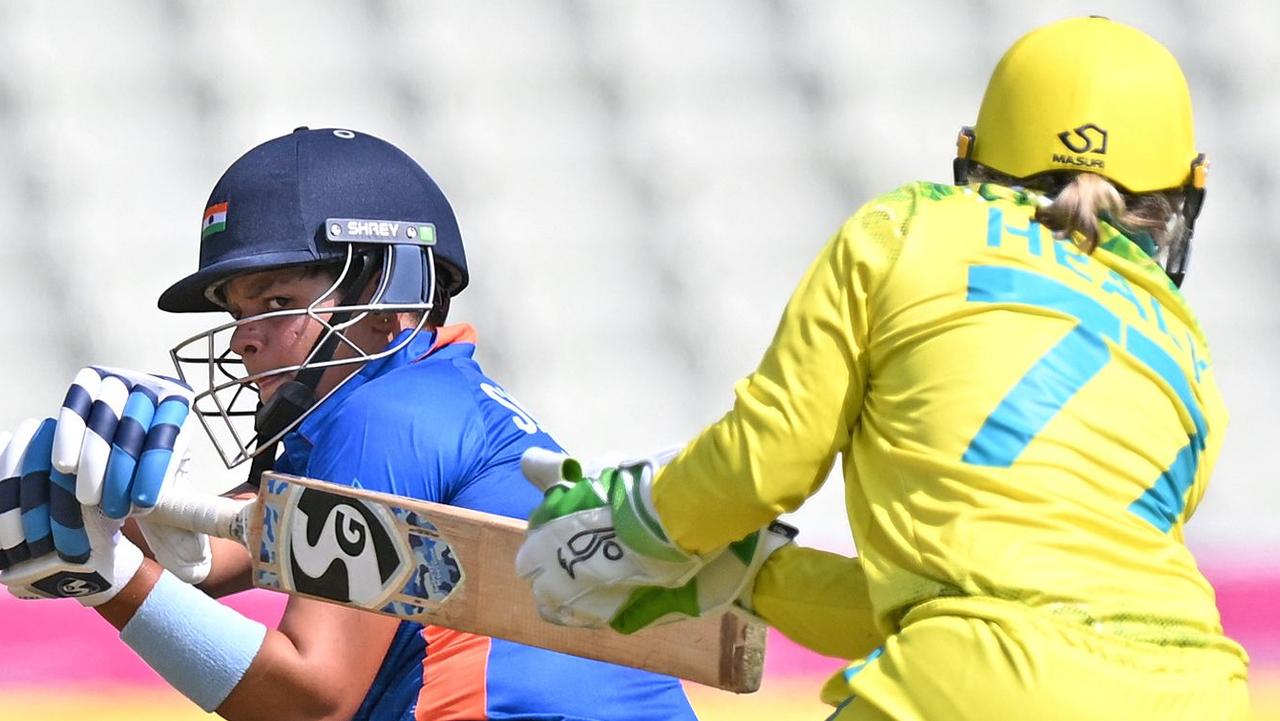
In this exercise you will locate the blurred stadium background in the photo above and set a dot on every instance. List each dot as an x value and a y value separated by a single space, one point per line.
639 186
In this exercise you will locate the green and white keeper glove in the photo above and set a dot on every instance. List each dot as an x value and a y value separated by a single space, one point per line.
727 581
594 539
596 553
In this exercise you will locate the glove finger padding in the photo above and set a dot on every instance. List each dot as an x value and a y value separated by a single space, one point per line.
34 492
119 475
114 430
124 434
109 565
545 468
90 467
727 580
73 426
162 464
13 537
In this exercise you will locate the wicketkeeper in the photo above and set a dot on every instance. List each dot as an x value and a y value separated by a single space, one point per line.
1025 411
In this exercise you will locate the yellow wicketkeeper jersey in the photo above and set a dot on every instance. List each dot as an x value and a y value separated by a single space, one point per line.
1017 419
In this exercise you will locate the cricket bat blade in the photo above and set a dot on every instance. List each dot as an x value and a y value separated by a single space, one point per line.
445 566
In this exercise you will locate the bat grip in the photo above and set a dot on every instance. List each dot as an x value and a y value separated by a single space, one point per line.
214 515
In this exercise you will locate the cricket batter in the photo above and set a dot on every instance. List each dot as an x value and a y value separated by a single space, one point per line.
1026 414
335 256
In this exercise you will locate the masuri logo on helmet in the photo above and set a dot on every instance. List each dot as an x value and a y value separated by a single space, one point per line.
1087 138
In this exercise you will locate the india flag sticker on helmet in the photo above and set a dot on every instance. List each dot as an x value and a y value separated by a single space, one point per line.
215 220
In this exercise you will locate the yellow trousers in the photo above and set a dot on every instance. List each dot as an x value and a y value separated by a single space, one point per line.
991 660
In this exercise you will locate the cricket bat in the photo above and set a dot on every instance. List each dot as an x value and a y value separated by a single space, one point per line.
445 566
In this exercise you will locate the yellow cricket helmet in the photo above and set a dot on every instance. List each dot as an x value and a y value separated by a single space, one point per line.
1087 94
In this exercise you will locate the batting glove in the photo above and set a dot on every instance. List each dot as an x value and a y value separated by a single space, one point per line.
66 550
124 436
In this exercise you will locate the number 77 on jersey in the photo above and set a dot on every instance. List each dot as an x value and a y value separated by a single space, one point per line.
446 566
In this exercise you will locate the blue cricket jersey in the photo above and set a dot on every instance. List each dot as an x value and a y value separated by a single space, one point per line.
426 423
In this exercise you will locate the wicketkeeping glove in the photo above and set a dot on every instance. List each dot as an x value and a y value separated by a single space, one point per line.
594 540
66 550
124 436
726 581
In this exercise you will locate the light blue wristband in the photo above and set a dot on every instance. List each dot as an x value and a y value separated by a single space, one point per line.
201 647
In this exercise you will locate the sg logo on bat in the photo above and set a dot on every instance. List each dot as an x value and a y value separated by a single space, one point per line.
340 549
355 552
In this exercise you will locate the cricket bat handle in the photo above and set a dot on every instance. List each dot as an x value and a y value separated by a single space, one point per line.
215 515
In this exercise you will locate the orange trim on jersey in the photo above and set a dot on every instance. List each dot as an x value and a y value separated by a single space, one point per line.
454 676
456 333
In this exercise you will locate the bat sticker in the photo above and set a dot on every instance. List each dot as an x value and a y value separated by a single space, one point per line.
344 549
340 548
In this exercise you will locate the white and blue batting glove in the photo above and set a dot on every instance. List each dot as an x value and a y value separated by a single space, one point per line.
13 540
595 539
66 549
123 435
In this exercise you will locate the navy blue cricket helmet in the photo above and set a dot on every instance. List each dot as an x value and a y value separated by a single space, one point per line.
269 210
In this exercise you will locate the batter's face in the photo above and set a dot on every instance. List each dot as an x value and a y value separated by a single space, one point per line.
286 341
